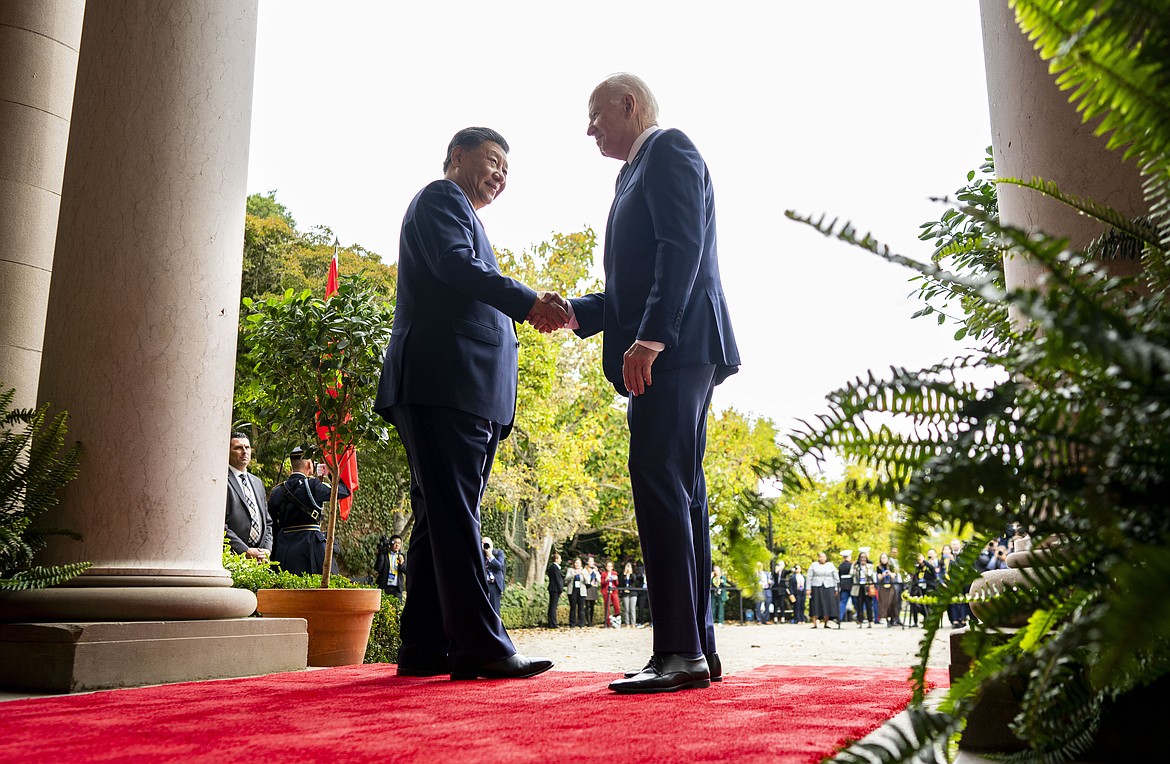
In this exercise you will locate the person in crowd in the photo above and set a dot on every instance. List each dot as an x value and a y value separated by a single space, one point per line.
797 586
999 561
247 522
667 343
824 579
845 584
863 591
718 594
578 582
390 567
629 585
298 506
556 585
781 597
448 386
925 583
932 561
593 586
609 594
887 578
763 595
959 612
495 567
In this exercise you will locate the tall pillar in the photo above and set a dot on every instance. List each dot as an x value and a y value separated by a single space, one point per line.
1036 132
38 62
140 350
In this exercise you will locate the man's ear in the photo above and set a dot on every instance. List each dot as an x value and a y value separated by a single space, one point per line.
457 156
630 103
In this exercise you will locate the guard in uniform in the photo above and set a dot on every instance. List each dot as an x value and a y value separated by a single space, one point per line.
298 507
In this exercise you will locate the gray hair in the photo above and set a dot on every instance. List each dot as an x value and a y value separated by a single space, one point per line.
618 85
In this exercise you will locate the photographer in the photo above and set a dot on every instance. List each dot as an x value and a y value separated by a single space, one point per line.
390 566
494 566
999 562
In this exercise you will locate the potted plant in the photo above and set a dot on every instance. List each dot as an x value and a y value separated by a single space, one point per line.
1070 439
322 360
34 466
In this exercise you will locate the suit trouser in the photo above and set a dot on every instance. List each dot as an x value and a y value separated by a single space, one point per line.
449 612
668 438
554 601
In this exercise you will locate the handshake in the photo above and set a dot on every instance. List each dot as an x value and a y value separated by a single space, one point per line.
549 313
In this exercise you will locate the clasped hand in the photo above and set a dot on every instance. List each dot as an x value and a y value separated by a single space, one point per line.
549 313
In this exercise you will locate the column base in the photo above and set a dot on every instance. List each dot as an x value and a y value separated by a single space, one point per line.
74 657
126 603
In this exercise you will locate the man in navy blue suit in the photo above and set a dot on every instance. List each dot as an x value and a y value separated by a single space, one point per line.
448 386
667 343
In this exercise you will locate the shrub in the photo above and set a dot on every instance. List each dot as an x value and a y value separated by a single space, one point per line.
251 574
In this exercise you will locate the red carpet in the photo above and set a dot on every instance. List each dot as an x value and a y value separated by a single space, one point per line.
367 714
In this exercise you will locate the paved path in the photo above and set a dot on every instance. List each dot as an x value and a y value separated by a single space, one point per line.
740 647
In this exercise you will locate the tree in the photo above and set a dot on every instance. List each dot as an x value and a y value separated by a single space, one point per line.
327 356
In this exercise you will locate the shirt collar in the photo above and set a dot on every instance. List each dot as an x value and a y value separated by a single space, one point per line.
640 141
235 472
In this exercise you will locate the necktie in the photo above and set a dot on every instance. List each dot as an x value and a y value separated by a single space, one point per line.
621 175
253 510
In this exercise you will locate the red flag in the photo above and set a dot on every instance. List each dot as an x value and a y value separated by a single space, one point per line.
347 471
331 283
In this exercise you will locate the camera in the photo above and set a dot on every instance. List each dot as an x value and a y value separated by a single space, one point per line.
486 545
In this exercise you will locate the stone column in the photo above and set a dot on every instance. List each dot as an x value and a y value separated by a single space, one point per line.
1036 132
38 63
139 348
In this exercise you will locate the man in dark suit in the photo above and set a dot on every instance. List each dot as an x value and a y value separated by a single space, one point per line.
556 585
247 523
298 506
496 566
449 387
668 342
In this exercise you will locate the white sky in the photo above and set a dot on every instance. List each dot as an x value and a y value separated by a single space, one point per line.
862 110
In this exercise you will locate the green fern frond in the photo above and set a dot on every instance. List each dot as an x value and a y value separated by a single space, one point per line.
1137 229
39 577
922 742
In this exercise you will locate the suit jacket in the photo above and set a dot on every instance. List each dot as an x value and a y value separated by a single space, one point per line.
496 566
453 343
238 521
302 500
661 266
556 579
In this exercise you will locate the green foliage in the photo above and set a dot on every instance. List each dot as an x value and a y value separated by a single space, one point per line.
34 467
321 360
251 574
384 633
1072 439
527 607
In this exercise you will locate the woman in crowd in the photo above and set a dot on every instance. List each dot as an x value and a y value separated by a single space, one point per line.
629 589
796 586
863 593
578 583
593 584
781 602
609 594
887 579
823 580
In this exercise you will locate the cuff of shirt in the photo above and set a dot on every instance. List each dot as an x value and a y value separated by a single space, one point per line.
659 346
572 325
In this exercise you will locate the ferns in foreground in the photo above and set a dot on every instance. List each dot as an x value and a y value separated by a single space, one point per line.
34 466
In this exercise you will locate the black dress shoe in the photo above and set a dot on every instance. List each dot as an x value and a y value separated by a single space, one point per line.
514 667
715 666
666 673
422 670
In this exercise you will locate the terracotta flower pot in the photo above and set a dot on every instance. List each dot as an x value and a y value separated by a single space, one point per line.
339 619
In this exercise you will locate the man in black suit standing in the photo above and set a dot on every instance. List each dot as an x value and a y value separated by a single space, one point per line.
663 309
556 585
247 523
449 387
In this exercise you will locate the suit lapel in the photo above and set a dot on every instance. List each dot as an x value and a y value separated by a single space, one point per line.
625 177
234 482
